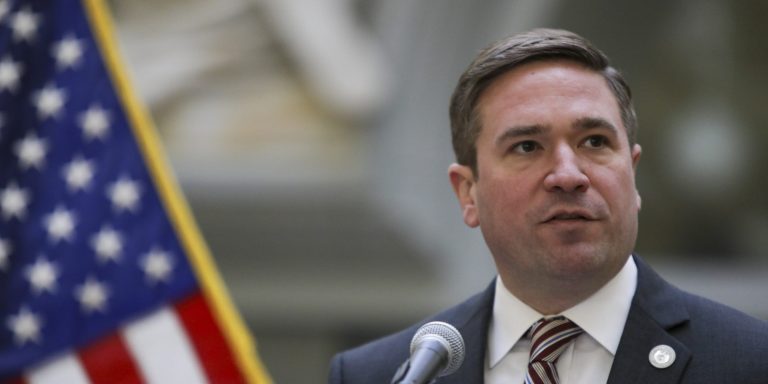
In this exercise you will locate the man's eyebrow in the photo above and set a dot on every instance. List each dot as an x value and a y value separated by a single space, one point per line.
586 123
520 131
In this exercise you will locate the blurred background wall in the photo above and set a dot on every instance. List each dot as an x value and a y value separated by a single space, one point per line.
311 138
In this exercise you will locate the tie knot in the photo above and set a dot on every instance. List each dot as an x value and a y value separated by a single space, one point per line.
550 337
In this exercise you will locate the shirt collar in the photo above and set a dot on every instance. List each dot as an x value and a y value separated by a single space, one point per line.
601 316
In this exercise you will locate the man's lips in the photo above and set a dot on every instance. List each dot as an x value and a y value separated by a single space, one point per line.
569 215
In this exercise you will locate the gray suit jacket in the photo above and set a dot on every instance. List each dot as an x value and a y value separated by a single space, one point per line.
713 343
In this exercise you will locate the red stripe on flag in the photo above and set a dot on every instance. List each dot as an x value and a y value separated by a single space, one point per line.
16 380
108 360
208 340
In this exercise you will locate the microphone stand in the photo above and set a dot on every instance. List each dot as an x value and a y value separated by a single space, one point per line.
401 372
427 361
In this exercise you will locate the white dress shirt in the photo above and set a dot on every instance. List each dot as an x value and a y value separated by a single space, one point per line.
588 359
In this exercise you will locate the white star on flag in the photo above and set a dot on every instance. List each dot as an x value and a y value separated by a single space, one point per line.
108 244
31 151
124 194
49 101
94 122
92 296
157 265
10 72
78 173
24 24
13 201
60 224
42 276
68 52
25 326
5 253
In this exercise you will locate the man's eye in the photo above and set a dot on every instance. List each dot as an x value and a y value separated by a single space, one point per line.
527 146
596 142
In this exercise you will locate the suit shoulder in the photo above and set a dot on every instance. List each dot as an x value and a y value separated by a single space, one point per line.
726 345
721 321
706 321
378 360
373 362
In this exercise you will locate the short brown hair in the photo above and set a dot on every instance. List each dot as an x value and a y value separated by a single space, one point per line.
511 52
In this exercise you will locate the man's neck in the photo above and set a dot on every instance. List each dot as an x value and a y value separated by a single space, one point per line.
553 296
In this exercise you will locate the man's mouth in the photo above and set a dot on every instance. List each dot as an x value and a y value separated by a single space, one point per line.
569 216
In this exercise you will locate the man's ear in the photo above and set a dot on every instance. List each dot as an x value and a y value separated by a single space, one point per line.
463 181
636 152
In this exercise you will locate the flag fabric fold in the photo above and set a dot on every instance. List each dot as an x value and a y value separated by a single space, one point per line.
104 276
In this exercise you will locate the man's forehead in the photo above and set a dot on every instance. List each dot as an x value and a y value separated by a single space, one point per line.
526 91
565 71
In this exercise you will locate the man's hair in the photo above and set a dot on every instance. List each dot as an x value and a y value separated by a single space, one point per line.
509 53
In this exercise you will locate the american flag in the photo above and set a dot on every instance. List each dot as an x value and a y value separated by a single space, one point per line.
103 275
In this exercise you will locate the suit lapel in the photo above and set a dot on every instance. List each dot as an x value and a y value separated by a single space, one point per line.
655 312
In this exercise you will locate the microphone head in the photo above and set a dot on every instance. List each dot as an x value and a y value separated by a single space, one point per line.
447 335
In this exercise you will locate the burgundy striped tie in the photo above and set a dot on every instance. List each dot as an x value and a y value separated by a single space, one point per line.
549 338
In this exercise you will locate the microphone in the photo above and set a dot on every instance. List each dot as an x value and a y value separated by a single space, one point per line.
437 349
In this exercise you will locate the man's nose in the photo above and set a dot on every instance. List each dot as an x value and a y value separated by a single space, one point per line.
565 173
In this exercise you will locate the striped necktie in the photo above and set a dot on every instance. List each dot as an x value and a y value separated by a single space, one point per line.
549 338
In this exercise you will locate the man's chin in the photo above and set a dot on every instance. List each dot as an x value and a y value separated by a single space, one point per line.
579 261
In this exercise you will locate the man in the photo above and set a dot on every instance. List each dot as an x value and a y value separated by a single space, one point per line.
544 134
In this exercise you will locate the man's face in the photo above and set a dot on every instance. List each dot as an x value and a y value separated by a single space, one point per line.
554 194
